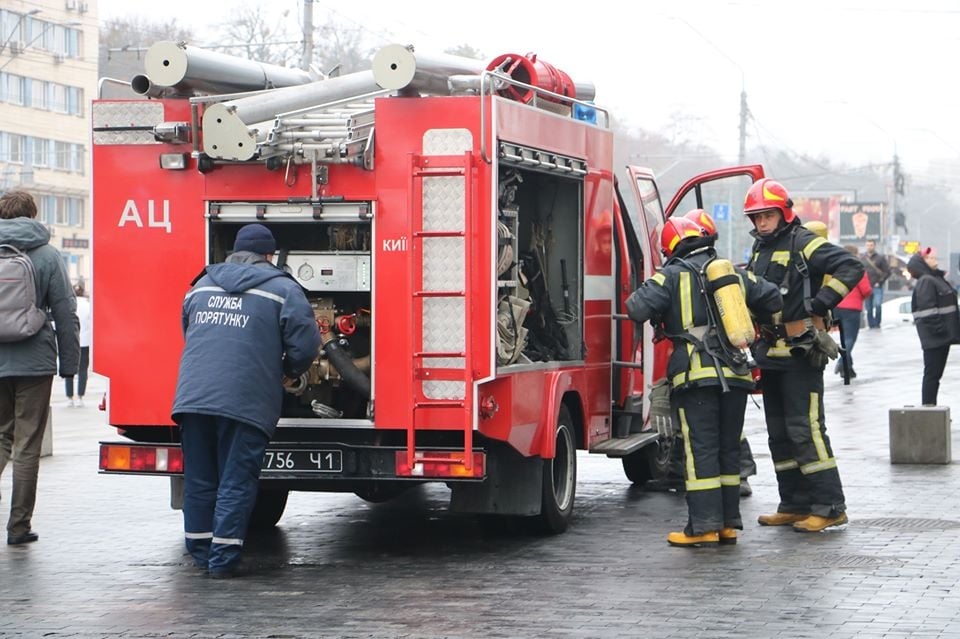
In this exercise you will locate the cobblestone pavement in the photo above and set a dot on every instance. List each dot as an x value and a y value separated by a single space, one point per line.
110 561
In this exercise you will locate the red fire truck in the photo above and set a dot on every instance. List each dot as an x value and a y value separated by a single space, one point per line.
459 231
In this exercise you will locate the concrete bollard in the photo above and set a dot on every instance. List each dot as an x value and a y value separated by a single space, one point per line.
920 435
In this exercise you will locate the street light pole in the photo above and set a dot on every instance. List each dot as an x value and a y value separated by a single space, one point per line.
307 57
888 222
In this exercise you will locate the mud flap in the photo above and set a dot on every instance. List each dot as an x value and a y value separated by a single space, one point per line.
512 487
176 492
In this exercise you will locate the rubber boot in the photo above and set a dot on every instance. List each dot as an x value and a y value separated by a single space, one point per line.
681 538
728 536
781 519
816 523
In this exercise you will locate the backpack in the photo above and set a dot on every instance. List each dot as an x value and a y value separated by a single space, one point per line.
19 316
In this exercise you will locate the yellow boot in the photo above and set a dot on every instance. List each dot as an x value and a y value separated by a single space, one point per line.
781 519
816 523
728 536
681 538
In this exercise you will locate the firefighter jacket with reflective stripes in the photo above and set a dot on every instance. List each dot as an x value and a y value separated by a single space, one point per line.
675 299
934 306
780 258
246 325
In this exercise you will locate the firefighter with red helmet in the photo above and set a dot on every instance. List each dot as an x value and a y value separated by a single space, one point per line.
709 379
748 466
704 220
792 352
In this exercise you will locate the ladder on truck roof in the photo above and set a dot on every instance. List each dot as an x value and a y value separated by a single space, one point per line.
332 133
441 223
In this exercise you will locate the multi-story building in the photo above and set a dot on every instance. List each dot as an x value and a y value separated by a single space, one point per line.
48 76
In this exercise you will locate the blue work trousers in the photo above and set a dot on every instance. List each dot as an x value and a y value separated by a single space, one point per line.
221 464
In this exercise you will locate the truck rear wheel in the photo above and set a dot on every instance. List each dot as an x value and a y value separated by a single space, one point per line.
657 462
636 466
269 508
559 478
381 492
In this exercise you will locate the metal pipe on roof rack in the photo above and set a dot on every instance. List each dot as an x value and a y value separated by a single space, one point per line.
141 85
398 67
189 70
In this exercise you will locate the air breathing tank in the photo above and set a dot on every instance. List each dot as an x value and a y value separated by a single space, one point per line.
731 305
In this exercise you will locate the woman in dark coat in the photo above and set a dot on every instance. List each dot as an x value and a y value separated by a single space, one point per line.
936 316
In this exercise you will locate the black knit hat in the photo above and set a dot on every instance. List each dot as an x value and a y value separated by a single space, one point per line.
255 238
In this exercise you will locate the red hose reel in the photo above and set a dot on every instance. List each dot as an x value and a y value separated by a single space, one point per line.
529 70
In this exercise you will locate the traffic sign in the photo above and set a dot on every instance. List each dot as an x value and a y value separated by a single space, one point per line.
721 212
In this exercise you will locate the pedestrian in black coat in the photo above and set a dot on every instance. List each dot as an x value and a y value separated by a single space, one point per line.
935 314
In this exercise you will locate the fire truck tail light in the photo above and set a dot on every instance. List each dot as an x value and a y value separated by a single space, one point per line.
173 161
440 464
148 459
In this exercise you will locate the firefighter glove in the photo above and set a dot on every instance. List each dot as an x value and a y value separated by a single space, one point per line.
824 349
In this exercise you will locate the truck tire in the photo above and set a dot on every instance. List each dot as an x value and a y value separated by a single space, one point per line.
381 492
559 486
268 509
636 466
657 462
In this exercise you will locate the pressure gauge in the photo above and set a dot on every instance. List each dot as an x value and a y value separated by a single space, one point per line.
305 272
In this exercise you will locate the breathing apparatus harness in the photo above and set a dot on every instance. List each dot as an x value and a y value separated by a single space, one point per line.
711 339
805 337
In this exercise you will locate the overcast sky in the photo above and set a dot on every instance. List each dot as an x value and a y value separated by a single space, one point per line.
848 79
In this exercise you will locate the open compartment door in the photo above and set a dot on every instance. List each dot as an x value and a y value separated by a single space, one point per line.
148 239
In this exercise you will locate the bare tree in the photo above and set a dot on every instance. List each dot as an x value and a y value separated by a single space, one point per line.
342 48
466 51
255 34
124 41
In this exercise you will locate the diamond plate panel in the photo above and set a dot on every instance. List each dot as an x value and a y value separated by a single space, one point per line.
443 267
444 324
444 390
447 141
444 209
109 115
444 203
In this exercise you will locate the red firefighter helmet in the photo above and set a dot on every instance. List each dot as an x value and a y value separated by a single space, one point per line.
767 194
703 219
676 230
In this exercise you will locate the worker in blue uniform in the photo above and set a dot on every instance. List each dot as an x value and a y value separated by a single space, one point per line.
249 329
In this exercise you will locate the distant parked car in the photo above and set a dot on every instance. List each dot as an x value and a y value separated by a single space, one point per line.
896 312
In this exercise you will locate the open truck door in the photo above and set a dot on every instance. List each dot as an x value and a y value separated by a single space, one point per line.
640 387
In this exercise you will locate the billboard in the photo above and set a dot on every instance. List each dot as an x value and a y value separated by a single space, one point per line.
860 221
819 209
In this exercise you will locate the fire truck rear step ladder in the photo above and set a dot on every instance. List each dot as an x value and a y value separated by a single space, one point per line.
623 446
432 167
